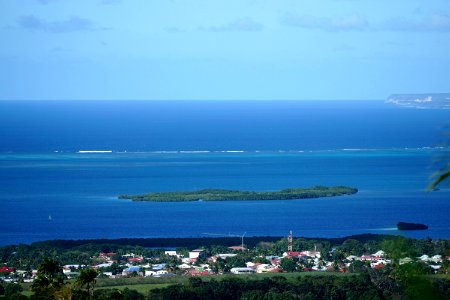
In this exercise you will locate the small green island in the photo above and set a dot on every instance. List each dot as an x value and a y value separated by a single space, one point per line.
234 195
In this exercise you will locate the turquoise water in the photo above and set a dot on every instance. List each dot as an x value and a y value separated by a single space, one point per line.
79 192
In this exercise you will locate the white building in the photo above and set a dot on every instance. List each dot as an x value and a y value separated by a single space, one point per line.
245 270
155 273
171 253
194 254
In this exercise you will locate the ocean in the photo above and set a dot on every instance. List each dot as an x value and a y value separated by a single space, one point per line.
49 190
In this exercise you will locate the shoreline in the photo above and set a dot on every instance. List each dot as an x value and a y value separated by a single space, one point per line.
170 242
235 195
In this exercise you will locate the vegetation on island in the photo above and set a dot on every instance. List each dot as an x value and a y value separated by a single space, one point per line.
411 226
234 195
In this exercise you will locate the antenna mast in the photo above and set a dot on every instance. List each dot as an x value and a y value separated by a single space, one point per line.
290 241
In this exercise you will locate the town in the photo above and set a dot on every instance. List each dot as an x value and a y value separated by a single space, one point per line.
354 255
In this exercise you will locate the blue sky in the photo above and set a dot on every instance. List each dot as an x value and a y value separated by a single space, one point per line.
224 49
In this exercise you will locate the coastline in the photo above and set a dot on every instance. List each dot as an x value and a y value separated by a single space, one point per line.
171 242
235 195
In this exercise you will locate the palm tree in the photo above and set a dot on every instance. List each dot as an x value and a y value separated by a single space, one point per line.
50 278
439 179
51 270
64 292
444 171
87 278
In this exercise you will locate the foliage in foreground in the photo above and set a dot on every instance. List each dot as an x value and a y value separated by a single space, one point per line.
406 282
371 285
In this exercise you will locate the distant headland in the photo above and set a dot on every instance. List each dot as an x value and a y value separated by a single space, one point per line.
234 195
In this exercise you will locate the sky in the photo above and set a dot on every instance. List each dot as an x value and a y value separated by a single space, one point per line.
223 49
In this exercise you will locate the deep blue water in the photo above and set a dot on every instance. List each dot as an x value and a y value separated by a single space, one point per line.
285 144
39 126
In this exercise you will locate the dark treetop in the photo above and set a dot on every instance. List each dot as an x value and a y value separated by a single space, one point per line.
232 195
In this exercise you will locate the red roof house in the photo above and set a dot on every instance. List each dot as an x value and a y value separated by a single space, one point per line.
6 269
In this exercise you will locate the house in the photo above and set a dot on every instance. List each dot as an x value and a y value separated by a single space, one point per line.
244 270
159 267
184 266
292 254
130 270
379 253
436 258
106 255
171 253
424 258
367 258
68 268
198 272
435 267
205 267
105 265
307 253
310 253
161 273
378 264
275 261
6 269
194 254
319 268
222 256
271 257
266 268
404 260
186 260
237 248
155 273
136 259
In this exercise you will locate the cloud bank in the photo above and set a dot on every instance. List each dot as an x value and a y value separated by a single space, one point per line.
348 23
72 24
438 21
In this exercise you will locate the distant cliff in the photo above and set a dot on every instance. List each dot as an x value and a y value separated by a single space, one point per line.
422 101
